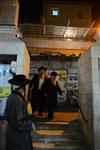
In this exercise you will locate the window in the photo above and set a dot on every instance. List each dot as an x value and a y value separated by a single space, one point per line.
55 12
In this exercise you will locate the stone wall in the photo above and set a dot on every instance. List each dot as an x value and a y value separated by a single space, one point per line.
89 92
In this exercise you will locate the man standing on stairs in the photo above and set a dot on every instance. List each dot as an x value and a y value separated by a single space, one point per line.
37 99
51 88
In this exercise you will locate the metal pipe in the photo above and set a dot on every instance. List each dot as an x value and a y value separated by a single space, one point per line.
84 35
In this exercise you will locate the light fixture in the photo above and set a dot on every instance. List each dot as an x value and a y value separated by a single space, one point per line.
69 39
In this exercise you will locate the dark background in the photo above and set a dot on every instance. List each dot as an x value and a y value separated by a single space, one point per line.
31 10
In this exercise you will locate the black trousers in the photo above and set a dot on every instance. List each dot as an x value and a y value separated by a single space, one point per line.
37 101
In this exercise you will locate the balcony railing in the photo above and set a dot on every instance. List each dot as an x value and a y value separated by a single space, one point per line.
49 31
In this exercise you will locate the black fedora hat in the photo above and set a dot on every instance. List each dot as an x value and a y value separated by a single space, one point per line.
19 79
42 68
54 73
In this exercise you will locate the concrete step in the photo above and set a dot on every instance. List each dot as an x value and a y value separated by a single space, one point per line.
67 146
53 135
57 138
59 148
56 125
57 132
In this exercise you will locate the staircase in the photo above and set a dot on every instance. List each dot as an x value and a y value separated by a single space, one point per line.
53 135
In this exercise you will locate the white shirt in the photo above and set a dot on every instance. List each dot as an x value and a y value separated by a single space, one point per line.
41 81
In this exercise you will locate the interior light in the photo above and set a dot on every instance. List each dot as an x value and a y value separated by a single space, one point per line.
55 12
69 39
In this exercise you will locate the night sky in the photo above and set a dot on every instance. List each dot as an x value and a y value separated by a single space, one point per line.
31 10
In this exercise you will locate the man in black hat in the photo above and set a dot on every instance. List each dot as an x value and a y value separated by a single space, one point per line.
18 136
37 97
50 89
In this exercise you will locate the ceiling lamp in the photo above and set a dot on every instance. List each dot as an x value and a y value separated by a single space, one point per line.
69 39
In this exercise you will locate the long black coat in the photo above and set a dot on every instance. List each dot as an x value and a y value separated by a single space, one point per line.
51 90
18 136
37 97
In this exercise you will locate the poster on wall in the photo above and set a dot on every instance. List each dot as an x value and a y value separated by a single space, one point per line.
5 88
72 81
72 86
62 80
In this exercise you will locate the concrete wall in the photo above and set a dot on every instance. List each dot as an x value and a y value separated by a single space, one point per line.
79 14
9 11
85 95
13 46
9 43
89 92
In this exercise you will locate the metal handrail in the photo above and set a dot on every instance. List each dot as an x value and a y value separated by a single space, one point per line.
56 31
